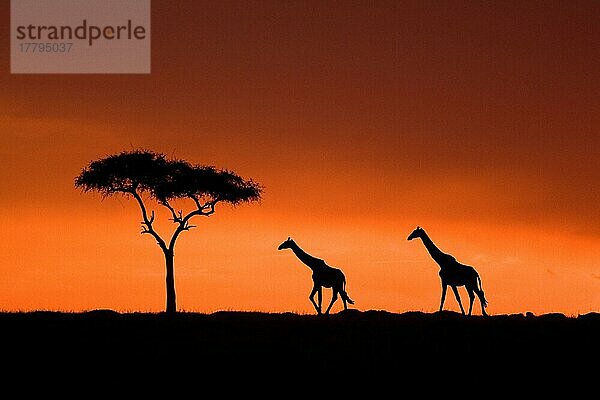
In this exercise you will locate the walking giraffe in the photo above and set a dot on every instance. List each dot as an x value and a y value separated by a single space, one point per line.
323 276
453 273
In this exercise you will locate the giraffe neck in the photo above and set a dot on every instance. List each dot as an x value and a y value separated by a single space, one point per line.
310 261
435 253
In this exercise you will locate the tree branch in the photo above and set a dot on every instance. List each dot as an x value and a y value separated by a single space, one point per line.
210 208
187 226
177 217
195 198
206 210
147 222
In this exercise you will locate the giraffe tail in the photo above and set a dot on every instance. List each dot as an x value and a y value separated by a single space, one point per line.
345 297
344 294
484 301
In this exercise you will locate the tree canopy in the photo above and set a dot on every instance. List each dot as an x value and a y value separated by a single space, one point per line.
165 179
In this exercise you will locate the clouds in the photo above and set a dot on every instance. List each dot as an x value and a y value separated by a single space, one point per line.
490 119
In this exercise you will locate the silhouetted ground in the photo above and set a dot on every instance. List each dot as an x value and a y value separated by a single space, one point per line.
374 346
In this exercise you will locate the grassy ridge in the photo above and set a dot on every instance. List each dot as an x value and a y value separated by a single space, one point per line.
371 343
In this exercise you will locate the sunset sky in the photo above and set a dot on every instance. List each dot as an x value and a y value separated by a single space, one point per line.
478 121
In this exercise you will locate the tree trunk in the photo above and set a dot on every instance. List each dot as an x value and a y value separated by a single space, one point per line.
170 281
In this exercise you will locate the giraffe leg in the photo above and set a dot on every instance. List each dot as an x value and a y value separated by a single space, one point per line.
455 290
471 298
444 287
333 299
311 297
320 298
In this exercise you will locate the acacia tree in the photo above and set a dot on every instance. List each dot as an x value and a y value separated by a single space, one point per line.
146 175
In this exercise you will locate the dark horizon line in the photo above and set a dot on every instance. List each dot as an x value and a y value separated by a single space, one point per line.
349 312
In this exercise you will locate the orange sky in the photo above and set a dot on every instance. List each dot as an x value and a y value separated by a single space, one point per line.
476 121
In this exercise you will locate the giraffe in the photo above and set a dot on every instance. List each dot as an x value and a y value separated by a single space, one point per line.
453 273
323 276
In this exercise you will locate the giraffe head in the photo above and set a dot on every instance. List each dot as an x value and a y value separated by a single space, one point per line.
417 233
286 245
